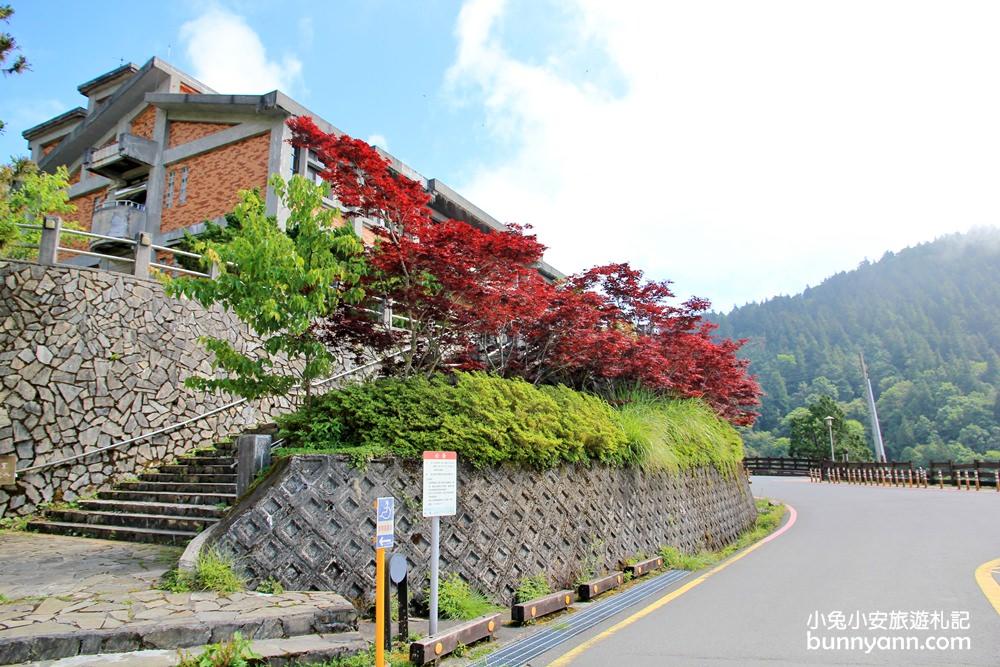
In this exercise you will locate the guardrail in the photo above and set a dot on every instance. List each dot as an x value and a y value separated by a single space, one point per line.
780 465
52 231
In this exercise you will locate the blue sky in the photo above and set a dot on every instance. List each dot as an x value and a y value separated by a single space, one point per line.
741 149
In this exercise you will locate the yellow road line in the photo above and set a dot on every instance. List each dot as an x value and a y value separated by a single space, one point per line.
987 582
571 655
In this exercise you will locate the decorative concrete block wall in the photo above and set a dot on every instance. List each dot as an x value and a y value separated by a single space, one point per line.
89 357
310 523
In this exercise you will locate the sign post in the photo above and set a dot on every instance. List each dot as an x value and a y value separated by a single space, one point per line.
440 499
385 512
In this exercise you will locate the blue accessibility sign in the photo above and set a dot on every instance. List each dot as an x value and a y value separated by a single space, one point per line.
385 520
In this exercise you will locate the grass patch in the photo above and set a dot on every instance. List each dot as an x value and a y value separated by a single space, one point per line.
670 434
457 600
18 523
214 571
769 515
399 656
270 586
237 652
530 588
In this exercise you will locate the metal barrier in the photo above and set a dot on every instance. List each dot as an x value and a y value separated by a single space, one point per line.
141 258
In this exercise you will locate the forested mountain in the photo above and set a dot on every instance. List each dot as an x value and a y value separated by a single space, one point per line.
928 321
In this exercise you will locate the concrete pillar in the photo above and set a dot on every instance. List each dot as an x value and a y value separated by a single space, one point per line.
143 254
253 454
48 247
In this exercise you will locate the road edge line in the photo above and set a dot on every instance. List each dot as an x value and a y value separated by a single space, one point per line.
989 585
570 655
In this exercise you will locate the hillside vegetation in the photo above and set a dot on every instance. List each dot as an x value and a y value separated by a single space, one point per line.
490 420
928 321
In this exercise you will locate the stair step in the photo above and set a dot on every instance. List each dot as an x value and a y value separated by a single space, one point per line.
190 478
163 509
152 535
177 487
130 520
197 469
168 497
206 460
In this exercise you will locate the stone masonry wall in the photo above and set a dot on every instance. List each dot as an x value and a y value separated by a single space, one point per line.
310 523
89 357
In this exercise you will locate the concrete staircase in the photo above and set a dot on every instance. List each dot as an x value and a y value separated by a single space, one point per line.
170 505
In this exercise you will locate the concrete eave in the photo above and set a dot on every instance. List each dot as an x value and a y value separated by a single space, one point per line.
127 97
73 115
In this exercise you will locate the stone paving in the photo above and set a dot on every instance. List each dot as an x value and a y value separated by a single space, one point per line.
101 594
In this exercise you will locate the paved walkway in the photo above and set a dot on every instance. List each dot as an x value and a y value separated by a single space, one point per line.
52 584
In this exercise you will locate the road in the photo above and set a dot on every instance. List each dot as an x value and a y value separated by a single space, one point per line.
853 549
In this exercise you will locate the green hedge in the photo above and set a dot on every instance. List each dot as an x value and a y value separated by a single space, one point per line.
490 420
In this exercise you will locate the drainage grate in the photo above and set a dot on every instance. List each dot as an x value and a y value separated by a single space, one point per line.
524 650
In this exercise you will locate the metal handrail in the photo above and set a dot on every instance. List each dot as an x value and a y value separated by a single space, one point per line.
191 420
120 203
98 255
188 272
92 235
182 253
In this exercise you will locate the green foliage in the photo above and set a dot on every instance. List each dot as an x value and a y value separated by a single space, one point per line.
212 233
809 436
214 571
27 195
270 586
488 420
280 284
928 321
237 652
530 588
669 434
15 522
458 601
769 515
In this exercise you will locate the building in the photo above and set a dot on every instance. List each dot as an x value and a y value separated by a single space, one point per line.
156 150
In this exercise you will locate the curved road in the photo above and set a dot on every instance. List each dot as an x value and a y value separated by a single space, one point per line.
862 551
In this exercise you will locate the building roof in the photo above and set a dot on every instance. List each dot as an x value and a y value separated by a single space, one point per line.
53 123
117 73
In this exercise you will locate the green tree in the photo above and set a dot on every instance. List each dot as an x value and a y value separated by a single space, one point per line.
8 46
809 435
27 195
279 283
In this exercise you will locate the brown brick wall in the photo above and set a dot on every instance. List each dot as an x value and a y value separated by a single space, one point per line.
50 146
214 181
182 132
85 208
188 89
142 124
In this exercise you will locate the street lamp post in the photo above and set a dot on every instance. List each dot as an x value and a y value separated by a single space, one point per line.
829 427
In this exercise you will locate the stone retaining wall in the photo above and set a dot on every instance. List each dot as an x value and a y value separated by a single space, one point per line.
90 357
310 523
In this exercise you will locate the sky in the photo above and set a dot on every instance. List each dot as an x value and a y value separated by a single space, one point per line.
741 149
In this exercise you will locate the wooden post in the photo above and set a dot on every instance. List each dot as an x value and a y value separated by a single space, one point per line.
48 247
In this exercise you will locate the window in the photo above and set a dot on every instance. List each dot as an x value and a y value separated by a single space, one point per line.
170 188
296 158
183 195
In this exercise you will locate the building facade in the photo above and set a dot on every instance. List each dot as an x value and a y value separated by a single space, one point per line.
157 151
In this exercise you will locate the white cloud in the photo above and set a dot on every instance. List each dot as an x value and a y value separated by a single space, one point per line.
379 140
743 149
227 54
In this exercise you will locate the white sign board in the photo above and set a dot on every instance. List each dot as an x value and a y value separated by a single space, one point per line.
385 515
440 483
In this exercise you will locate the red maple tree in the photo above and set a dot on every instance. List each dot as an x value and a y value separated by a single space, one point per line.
469 299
